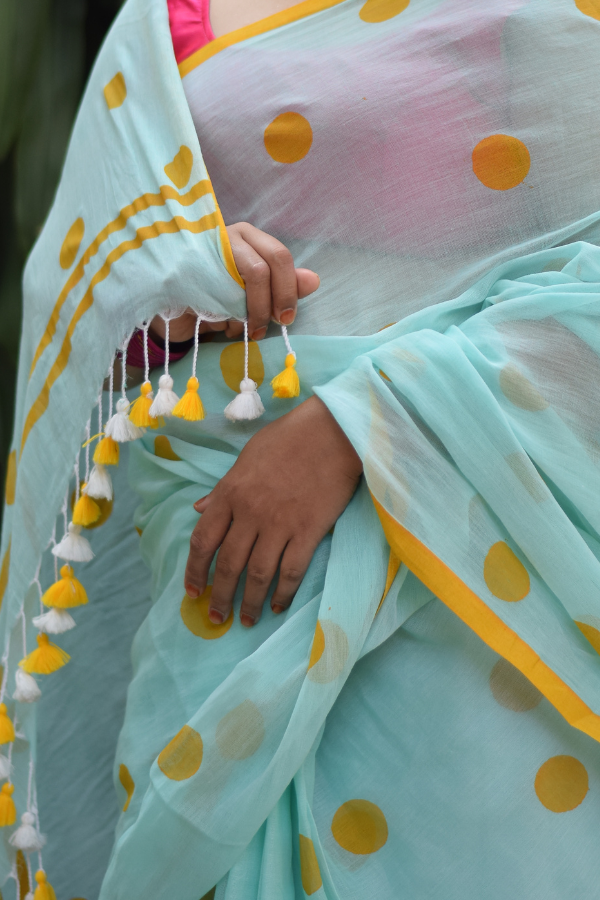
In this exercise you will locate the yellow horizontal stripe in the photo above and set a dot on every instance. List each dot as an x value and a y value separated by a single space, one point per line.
299 11
446 585
165 192
146 233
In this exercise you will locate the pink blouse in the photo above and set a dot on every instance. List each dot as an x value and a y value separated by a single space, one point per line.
190 26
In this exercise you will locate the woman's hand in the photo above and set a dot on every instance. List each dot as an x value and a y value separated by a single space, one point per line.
288 487
273 287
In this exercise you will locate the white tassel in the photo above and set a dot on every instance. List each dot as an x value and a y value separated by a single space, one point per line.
27 688
27 838
74 547
29 896
5 768
120 427
99 485
247 405
56 621
166 398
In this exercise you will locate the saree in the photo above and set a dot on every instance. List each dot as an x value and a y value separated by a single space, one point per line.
424 717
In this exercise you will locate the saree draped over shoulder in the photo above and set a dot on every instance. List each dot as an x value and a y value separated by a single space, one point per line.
424 720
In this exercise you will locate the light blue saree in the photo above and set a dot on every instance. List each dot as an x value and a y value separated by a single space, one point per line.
424 719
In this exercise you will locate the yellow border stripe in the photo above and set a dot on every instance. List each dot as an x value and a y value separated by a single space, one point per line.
226 244
166 192
4 572
300 11
446 585
142 234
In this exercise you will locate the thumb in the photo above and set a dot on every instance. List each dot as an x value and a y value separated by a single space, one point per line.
307 282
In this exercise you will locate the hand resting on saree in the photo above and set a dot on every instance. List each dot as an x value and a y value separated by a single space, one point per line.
291 481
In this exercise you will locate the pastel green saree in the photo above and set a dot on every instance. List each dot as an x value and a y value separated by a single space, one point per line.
423 721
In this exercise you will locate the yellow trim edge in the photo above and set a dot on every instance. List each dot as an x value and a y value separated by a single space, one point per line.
455 594
293 14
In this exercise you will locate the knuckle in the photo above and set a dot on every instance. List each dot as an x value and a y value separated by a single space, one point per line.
291 574
282 257
258 577
259 273
225 568
198 545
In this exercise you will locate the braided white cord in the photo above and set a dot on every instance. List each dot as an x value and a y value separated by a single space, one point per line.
287 341
196 338
145 328
166 321
111 387
245 348
88 434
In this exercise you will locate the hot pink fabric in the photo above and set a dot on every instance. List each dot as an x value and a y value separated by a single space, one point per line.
190 26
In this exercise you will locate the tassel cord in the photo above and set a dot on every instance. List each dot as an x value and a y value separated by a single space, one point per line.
196 340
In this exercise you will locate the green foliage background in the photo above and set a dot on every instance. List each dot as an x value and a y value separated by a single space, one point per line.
47 48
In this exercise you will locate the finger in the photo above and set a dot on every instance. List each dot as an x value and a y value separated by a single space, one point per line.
257 275
294 563
284 288
201 504
307 282
206 538
231 562
262 567
234 329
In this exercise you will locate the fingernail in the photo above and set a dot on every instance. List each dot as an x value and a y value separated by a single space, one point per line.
259 333
277 609
247 621
287 316
215 616
192 591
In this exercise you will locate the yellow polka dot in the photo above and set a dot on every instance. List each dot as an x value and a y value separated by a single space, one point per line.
71 244
519 390
127 782
232 364
501 162
240 733
318 646
182 756
528 475
561 783
589 8
381 10
11 479
194 613
288 138
591 633
162 448
106 508
505 575
115 91
329 653
180 168
511 689
360 827
309 866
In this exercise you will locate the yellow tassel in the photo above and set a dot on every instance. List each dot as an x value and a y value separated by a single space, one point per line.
46 659
190 406
140 411
8 812
287 383
44 890
107 452
66 592
7 729
86 511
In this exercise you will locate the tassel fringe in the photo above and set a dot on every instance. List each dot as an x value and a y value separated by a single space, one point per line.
46 659
74 547
55 621
27 838
120 427
44 890
140 411
106 452
27 690
287 384
8 812
66 592
166 399
7 729
247 405
100 485
86 510
190 406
